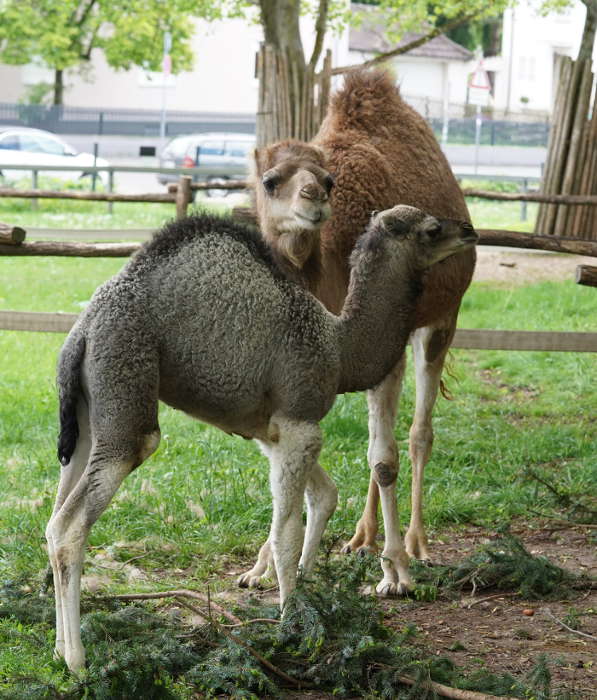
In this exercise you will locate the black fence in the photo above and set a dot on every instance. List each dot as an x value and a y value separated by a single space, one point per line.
136 122
120 122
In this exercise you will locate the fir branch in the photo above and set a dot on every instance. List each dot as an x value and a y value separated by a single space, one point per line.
549 614
183 593
447 692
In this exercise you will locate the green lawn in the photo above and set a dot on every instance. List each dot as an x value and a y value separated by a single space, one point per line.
202 500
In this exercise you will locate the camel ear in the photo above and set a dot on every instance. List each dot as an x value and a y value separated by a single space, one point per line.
395 225
258 160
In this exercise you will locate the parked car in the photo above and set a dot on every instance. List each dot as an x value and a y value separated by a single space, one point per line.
219 156
23 146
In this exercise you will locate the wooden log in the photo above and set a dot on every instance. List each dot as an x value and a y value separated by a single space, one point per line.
587 199
71 249
85 196
471 339
184 196
221 185
587 275
543 341
578 119
557 144
530 241
11 235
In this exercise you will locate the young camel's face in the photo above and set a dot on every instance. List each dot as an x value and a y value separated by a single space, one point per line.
430 239
292 192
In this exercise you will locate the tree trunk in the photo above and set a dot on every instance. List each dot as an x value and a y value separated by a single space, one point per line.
58 86
292 97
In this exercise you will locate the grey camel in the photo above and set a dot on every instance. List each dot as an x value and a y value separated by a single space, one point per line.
202 319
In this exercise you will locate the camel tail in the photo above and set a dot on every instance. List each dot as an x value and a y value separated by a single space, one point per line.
69 392
367 99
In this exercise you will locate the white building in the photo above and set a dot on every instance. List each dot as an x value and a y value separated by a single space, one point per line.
223 77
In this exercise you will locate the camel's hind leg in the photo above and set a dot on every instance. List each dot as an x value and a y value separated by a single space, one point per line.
69 527
70 475
430 346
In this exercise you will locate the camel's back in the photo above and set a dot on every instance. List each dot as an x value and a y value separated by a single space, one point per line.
224 328
382 153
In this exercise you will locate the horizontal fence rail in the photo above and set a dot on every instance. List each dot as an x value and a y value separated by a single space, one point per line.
481 339
491 237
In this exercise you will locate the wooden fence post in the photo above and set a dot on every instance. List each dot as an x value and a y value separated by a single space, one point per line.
586 274
183 196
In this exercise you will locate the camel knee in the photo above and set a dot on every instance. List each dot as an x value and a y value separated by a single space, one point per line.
384 474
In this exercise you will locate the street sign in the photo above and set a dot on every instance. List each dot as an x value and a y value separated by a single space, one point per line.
479 87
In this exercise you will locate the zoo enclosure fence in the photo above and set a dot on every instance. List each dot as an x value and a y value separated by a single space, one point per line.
12 243
498 128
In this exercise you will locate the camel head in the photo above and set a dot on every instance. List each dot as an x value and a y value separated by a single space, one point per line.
292 191
408 231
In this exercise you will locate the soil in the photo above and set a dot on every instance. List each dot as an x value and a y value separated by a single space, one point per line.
502 632
512 267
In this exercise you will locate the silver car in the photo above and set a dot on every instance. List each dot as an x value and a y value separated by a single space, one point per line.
21 145
219 156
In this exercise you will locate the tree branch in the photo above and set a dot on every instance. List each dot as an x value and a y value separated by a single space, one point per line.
436 31
320 29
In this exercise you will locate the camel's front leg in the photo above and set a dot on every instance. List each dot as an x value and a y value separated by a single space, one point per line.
321 497
430 346
292 459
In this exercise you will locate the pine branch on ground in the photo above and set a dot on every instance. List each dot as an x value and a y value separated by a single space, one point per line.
331 638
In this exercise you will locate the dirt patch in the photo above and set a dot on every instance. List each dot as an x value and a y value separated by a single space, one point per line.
500 632
517 267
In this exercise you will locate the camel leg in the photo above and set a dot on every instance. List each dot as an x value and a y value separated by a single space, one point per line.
430 345
322 498
70 475
69 527
292 459
263 568
382 402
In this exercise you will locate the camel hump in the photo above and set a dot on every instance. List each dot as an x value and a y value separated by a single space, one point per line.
366 100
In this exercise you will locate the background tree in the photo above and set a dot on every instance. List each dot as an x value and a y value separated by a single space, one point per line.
61 34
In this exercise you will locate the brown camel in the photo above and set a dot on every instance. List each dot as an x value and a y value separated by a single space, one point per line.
380 153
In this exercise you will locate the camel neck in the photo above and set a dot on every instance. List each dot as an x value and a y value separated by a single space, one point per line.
376 320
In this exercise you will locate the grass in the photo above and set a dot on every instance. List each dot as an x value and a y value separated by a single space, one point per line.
512 411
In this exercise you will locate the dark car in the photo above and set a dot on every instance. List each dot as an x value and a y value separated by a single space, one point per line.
219 156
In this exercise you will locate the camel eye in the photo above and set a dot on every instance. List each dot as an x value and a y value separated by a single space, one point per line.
328 183
270 181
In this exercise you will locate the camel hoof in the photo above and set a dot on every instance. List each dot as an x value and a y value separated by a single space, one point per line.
364 550
426 562
249 580
389 589
346 549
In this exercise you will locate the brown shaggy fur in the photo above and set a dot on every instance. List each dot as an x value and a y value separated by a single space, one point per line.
382 153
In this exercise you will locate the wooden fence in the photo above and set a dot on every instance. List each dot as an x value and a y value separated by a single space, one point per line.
12 242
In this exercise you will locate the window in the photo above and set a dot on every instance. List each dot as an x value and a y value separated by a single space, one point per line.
49 145
211 148
9 142
239 149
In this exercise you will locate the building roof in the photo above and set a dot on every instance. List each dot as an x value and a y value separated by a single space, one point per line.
369 38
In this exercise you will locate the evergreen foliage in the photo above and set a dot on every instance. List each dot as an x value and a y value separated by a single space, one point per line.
504 565
332 638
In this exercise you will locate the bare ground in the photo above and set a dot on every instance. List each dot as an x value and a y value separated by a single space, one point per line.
500 632
512 267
